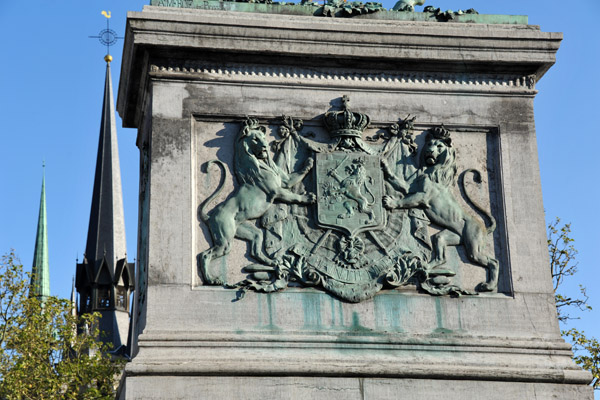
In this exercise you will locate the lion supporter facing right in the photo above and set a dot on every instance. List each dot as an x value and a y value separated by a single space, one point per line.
430 191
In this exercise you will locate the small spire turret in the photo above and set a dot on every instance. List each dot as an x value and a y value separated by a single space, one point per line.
73 299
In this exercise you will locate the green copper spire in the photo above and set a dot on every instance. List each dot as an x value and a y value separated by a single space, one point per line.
40 271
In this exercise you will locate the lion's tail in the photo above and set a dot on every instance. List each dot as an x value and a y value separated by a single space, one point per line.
477 178
370 194
203 213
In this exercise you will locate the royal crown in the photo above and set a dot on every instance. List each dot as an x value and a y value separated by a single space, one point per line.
441 133
346 122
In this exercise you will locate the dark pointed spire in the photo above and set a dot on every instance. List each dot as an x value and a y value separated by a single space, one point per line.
40 270
106 232
98 276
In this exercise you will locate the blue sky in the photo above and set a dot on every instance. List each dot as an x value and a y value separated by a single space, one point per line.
52 78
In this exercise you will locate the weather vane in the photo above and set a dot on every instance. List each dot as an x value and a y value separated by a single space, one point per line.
107 36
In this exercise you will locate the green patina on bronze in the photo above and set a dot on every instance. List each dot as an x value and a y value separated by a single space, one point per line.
402 11
262 182
341 8
358 223
407 5
431 191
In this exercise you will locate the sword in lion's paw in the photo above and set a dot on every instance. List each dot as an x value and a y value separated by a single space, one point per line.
333 172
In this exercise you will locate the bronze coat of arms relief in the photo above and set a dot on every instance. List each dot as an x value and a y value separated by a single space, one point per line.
351 215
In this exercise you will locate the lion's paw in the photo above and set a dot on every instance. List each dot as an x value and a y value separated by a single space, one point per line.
217 281
310 198
309 164
389 202
486 287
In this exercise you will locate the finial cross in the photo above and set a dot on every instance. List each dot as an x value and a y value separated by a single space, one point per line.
345 101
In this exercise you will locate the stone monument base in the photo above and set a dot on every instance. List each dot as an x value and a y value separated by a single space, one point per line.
305 344
329 388
309 119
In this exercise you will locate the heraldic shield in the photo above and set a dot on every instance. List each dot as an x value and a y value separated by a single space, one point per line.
349 192
345 215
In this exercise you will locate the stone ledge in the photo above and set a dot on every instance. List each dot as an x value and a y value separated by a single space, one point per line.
384 340
388 80
352 363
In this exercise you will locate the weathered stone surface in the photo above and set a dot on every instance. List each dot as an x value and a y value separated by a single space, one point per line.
190 77
378 45
300 388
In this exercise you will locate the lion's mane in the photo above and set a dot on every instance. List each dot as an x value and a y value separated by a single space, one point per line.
248 168
444 171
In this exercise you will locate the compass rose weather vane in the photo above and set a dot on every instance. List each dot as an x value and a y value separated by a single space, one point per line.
107 36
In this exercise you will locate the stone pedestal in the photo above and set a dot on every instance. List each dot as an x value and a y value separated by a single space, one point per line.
190 77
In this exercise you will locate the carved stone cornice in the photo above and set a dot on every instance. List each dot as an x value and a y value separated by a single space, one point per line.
397 80
366 45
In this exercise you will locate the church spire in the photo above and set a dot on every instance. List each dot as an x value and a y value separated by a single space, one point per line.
104 279
106 232
40 270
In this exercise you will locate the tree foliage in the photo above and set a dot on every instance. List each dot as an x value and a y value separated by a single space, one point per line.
563 265
41 354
